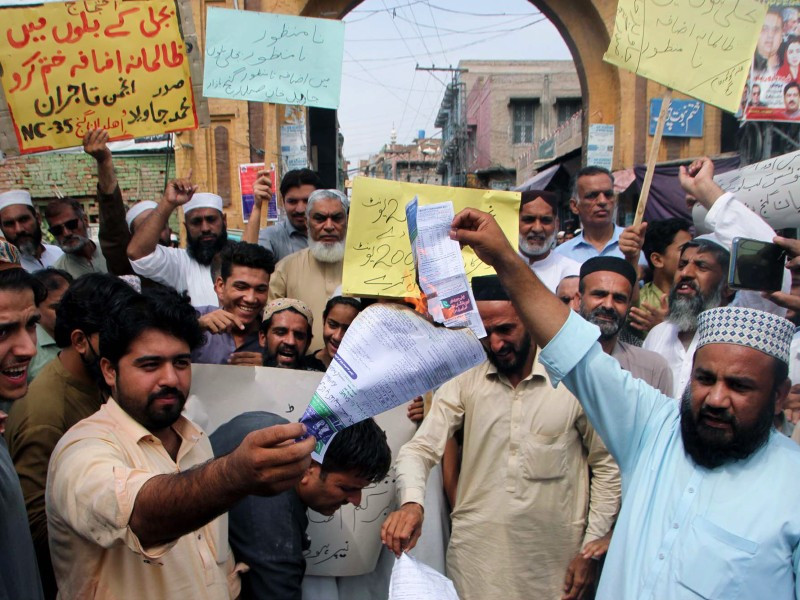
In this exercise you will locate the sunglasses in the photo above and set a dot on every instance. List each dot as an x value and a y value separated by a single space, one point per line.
72 225
594 195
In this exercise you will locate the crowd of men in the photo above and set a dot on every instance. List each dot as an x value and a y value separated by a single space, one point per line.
632 418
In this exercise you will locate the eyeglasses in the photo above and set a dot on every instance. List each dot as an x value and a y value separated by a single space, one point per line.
609 194
72 225
197 221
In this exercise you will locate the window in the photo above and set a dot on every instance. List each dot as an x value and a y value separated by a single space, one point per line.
567 107
223 160
522 121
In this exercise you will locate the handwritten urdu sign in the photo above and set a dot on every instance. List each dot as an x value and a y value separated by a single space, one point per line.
702 48
265 57
72 67
378 260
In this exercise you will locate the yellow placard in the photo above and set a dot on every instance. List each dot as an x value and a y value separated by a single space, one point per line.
378 259
702 48
69 67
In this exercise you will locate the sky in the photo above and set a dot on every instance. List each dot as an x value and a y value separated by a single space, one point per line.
386 39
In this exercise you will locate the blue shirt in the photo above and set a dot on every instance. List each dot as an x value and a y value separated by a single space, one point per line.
282 239
683 531
580 250
218 347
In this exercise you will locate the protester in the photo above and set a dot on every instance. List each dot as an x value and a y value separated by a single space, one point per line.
339 313
69 225
525 505
134 501
312 275
186 270
290 234
701 279
19 295
55 283
21 225
711 490
269 534
232 332
662 247
285 334
568 291
595 203
138 213
65 392
606 291
538 224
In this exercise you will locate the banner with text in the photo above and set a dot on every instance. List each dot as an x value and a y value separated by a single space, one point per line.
378 260
72 67
266 57
773 88
702 49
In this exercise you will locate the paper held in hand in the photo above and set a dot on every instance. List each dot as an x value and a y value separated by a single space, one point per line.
413 580
389 356
440 269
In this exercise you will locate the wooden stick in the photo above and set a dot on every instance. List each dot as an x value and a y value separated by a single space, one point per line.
651 161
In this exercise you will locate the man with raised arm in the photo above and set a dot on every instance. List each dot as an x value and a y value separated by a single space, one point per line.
711 490
186 270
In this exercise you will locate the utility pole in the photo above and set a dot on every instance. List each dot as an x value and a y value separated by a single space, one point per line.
457 138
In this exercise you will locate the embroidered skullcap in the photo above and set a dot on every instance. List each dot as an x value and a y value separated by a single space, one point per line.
487 288
15 197
282 304
138 209
132 280
711 237
609 263
203 200
9 256
755 329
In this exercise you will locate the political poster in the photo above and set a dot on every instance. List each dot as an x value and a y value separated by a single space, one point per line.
267 57
773 88
248 173
702 49
76 66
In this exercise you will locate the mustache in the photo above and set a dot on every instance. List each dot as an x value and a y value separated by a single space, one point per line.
603 311
166 392
690 282
718 414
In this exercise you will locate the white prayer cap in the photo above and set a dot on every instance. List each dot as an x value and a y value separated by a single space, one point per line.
203 200
138 209
749 327
15 197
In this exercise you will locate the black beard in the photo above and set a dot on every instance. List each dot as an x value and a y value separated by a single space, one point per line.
707 451
519 358
272 361
203 251
91 364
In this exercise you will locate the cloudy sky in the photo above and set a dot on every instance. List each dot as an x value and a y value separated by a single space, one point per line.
386 39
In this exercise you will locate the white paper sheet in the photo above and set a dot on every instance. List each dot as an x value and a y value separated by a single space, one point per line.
389 356
440 268
413 580
348 543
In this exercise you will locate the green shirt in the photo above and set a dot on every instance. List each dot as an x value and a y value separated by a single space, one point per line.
650 295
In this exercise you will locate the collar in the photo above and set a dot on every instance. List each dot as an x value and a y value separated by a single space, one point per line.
43 338
614 238
187 430
291 229
90 389
537 371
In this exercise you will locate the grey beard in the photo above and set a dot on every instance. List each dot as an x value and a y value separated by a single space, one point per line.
28 247
532 251
326 253
683 312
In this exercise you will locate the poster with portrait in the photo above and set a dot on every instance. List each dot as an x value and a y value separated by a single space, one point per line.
773 88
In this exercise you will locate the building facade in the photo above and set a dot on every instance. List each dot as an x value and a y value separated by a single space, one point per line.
416 162
493 111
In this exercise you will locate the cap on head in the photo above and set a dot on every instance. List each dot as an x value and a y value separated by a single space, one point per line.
15 197
137 209
9 256
531 195
281 304
488 288
609 263
762 331
203 200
